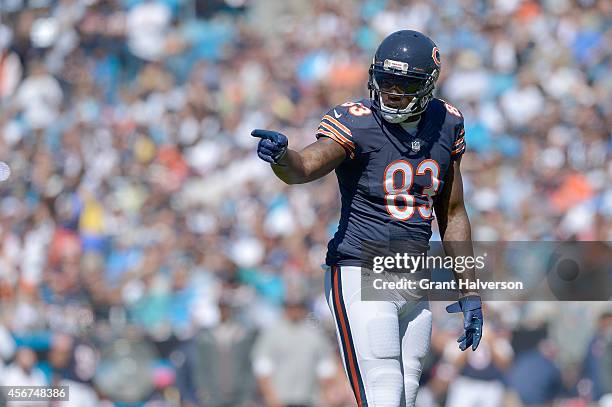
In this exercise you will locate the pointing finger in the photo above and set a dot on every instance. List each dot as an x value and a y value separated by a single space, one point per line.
264 134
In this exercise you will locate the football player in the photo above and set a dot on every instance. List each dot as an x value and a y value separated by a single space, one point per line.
397 157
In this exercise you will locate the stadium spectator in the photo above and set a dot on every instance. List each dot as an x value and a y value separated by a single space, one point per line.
39 97
147 24
10 66
23 372
7 346
596 365
215 365
481 374
293 360
537 389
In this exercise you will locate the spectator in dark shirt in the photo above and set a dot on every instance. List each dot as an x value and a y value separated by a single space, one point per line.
535 377
597 369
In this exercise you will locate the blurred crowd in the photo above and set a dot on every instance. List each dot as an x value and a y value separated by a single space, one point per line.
149 258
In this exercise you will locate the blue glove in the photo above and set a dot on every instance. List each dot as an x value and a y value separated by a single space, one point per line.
472 320
272 146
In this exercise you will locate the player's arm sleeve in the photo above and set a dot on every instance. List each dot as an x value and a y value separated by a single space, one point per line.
459 145
338 131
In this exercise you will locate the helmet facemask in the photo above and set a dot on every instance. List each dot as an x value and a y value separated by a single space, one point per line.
400 84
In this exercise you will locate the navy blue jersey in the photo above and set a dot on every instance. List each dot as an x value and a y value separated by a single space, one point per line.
389 177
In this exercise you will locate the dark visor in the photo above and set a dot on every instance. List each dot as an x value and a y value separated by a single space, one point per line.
392 83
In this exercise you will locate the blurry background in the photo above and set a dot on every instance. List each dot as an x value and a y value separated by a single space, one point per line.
148 258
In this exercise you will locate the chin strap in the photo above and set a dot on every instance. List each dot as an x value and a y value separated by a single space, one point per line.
395 118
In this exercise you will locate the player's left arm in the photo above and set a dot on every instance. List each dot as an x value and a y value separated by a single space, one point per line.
453 221
456 233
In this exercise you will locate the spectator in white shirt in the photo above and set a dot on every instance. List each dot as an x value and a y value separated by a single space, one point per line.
7 347
39 97
23 372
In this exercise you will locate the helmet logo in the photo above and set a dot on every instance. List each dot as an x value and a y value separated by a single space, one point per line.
391 64
435 54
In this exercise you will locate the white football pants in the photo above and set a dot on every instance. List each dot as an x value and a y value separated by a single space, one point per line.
382 342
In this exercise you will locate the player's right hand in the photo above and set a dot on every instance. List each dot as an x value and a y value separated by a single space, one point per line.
272 146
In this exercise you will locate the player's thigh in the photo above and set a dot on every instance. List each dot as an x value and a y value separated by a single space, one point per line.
373 325
369 338
415 324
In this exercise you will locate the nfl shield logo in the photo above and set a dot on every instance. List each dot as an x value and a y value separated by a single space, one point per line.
416 145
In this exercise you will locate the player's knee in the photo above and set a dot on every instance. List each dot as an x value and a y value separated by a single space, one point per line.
415 346
384 384
412 374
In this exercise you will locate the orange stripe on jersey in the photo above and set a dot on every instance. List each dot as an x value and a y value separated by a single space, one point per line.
337 133
337 123
459 141
332 136
457 151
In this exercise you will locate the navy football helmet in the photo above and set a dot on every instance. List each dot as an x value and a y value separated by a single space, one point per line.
406 64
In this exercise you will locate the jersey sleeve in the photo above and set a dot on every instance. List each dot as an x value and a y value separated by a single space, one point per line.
333 126
459 141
